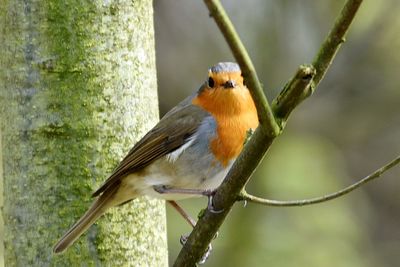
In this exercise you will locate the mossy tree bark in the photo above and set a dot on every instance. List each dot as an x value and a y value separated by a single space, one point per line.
78 88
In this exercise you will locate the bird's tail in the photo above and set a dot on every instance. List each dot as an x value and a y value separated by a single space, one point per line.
99 206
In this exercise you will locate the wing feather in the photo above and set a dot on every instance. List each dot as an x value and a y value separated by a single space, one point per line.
172 131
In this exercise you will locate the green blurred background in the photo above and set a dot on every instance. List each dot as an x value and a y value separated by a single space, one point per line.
346 130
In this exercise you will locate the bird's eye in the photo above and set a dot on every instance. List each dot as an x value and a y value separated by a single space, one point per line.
210 82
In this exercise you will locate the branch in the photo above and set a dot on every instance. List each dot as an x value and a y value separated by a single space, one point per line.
244 196
296 91
335 39
255 149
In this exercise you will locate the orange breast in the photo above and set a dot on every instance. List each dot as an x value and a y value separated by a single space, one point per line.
235 114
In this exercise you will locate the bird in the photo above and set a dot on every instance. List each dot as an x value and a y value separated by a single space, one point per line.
190 150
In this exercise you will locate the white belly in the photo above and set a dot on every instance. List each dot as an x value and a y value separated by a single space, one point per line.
167 173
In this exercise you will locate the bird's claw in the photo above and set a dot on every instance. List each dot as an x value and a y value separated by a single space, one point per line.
210 205
207 254
183 239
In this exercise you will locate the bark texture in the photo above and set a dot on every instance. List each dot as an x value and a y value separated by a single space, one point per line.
78 88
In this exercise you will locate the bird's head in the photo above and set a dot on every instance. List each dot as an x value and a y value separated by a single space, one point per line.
224 75
224 91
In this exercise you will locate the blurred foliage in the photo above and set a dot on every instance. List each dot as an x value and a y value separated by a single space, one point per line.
346 130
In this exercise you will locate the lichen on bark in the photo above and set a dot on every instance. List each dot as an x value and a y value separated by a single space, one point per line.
78 88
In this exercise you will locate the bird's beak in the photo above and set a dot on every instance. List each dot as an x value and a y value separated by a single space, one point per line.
229 84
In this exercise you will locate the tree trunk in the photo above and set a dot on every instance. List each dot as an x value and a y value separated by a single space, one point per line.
78 88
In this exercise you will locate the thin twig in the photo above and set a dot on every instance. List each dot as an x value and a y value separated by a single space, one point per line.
335 39
297 90
244 196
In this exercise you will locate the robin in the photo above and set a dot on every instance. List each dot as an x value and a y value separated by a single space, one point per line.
190 150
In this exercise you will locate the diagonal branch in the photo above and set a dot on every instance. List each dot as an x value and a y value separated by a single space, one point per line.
335 39
255 149
244 196
295 91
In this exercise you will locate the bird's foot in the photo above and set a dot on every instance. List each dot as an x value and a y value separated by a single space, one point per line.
207 254
164 189
210 205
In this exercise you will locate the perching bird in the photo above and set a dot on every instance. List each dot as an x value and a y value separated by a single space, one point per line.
192 147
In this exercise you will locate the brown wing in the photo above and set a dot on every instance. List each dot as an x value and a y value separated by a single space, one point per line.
169 134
